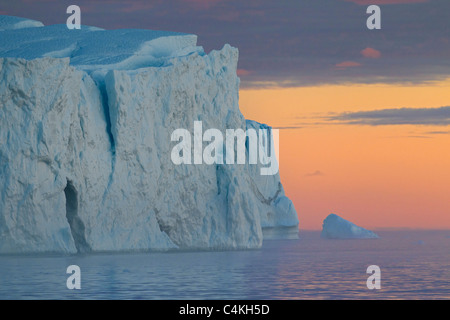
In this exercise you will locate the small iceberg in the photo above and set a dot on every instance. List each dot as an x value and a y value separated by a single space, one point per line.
335 227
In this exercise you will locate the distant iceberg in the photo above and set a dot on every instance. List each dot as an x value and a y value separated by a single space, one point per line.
335 227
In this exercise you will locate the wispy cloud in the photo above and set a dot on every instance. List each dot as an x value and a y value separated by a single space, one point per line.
403 116
371 53
437 132
369 2
202 4
243 72
314 174
294 127
348 64
419 137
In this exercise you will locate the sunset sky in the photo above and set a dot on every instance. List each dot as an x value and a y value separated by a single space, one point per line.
364 115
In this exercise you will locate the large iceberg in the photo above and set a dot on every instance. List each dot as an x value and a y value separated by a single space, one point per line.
335 227
86 118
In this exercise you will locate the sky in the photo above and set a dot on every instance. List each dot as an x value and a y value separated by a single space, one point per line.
364 114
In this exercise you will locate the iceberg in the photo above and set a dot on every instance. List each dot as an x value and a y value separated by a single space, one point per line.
335 227
85 123
9 23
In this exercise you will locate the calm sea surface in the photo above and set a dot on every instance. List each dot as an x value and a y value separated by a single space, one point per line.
414 265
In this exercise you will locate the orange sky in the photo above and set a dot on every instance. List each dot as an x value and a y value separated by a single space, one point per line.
395 176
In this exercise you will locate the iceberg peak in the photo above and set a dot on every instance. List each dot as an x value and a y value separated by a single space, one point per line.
15 23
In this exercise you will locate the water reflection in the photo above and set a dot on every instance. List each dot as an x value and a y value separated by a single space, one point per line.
310 268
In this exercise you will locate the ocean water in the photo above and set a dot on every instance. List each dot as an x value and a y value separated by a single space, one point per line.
414 265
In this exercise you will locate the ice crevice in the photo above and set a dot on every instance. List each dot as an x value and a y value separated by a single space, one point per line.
77 227
262 198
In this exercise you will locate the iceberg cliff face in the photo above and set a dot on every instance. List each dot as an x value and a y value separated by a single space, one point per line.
86 118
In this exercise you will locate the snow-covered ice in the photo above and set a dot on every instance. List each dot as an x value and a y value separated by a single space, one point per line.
85 123
10 23
335 227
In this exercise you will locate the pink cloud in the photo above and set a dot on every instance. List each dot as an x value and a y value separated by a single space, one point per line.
243 72
371 53
348 64
369 2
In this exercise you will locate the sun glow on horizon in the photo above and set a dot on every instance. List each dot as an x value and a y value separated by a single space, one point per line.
384 176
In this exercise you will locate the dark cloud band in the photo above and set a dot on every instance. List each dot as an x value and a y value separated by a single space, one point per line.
423 116
287 43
